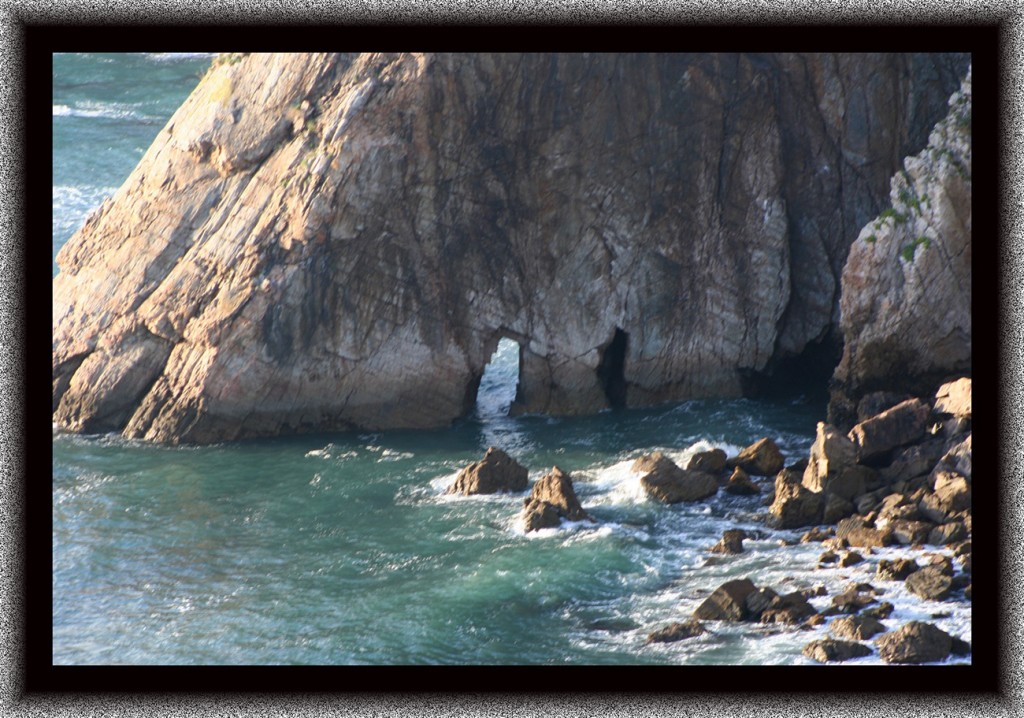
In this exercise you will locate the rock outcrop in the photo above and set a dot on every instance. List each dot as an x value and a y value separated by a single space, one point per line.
327 241
664 481
495 473
552 499
906 288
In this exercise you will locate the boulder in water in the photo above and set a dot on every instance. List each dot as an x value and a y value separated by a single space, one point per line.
496 472
553 498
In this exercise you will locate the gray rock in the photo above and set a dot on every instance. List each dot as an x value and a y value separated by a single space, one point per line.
898 426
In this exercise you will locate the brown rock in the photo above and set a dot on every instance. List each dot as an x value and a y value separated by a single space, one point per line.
794 505
828 557
553 491
836 508
677 632
947 533
856 628
851 601
731 542
829 650
896 570
902 424
930 583
727 602
859 533
831 454
958 459
896 507
666 482
791 609
954 398
759 601
910 533
931 508
876 402
952 491
496 472
850 558
913 461
943 564
761 458
711 462
915 642
739 483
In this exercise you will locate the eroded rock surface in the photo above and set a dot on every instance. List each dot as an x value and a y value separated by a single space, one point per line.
326 241
496 472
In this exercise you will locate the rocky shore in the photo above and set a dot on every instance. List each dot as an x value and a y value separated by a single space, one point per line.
900 477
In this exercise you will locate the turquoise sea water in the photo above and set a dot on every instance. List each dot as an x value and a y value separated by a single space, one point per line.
343 549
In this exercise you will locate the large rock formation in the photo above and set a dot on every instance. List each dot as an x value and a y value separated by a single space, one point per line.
906 288
321 242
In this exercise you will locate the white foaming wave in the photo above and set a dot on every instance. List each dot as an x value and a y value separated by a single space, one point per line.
617 484
175 56
106 110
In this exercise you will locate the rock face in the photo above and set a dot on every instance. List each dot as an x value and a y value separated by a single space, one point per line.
496 472
325 241
906 288
553 498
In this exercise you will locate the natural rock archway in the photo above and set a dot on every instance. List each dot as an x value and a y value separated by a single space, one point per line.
331 241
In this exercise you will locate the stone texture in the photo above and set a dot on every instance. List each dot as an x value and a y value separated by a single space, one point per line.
831 454
954 398
739 483
790 609
909 533
677 632
552 497
664 481
856 628
903 424
496 472
762 458
895 570
320 242
905 306
727 602
860 533
829 650
915 642
794 506
712 462
759 601
930 583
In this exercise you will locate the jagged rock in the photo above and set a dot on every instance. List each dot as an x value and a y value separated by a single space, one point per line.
553 498
759 601
856 628
731 542
850 601
761 458
940 562
664 481
496 472
905 307
791 609
931 508
915 642
903 424
727 602
711 462
829 650
859 533
958 459
795 506
739 483
831 454
913 461
909 533
947 533
895 507
896 570
954 398
929 583
677 632
952 491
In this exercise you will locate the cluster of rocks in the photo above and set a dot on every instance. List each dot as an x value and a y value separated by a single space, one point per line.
707 472
552 499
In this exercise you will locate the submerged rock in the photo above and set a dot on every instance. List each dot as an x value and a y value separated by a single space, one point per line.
496 472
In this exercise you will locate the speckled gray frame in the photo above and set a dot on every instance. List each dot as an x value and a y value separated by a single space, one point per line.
18 456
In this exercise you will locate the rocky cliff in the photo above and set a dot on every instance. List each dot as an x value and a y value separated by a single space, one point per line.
906 288
324 242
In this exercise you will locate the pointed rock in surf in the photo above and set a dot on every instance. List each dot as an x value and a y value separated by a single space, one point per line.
553 498
761 458
664 481
496 472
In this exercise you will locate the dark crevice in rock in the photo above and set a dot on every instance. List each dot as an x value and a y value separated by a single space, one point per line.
611 371
806 373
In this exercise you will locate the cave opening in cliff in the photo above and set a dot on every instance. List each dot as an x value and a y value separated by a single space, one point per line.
499 384
611 370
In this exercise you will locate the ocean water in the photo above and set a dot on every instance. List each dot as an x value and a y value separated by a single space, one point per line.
343 548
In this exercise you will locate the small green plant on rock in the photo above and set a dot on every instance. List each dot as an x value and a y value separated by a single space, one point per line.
909 251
